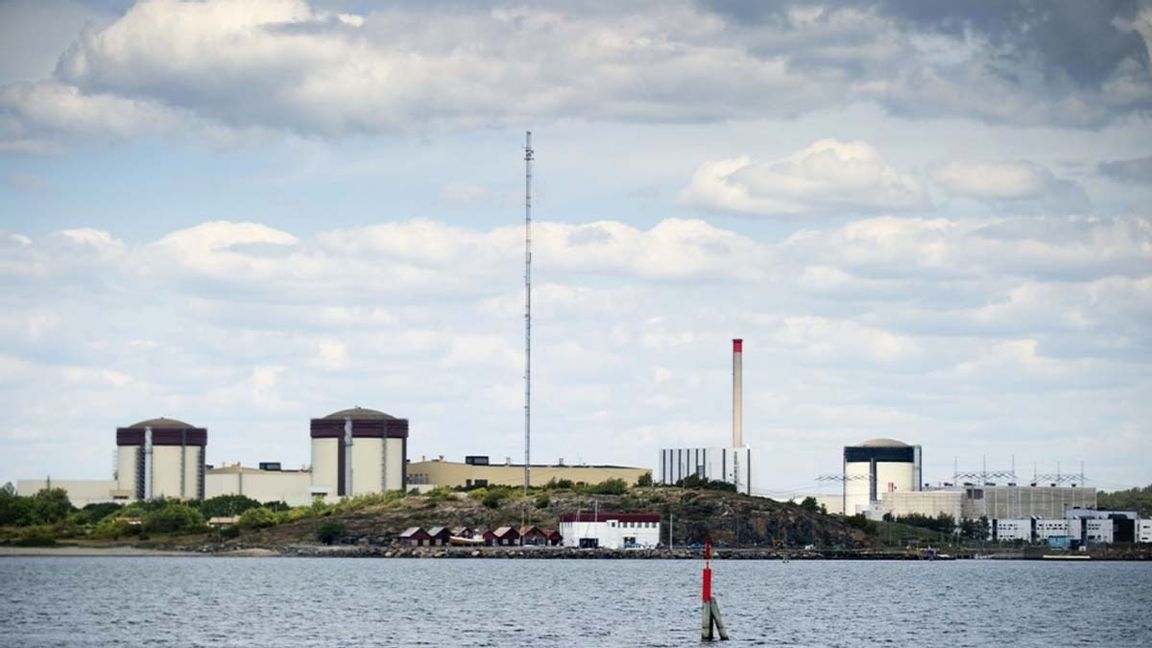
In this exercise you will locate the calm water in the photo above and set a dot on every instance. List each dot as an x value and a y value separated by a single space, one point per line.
57 601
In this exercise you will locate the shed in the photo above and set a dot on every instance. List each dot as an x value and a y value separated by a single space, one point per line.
555 539
439 536
506 536
532 535
415 537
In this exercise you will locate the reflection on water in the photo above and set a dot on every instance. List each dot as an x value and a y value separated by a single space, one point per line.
364 602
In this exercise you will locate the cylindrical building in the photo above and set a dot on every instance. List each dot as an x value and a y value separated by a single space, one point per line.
161 457
358 451
877 466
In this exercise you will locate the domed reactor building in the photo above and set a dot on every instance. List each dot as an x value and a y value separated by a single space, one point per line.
161 457
358 451
878 466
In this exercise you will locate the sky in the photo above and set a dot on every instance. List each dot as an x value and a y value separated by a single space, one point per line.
928 220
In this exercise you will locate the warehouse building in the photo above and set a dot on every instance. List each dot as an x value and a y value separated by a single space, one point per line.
267 483
477 471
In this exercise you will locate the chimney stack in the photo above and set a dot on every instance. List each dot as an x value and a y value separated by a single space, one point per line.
737 393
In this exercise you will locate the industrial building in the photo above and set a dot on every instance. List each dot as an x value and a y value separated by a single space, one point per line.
160 457
267 483
358 451
732 465
610 530
991 501
477 470
735 465
876 467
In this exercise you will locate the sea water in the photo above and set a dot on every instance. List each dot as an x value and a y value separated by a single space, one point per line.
72 601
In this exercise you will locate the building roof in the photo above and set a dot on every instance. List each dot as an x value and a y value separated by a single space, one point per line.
361 413
883 443
161 424
413 532
606 517
504 530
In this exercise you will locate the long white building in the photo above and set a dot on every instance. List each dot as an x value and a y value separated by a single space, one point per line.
610 530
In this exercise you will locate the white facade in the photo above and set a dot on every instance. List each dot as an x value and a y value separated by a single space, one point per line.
732 465
1048 528
1098 530
876 467
1011 530
1143 530
611 530
289 486
81 492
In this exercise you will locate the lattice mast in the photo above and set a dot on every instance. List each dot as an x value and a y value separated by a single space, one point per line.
528 157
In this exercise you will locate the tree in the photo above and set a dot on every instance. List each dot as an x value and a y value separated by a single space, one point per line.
14 509
644 480
50 505
257 518
174 517
809 504
227 505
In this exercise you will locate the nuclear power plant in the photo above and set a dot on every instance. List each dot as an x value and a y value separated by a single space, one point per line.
734 465
160 458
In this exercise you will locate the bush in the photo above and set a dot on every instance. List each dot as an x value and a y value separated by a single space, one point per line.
113 528
495 498
257 518
610 487
94 513
644 480
542 501
173 517
36 536
330 532
227 505
50 505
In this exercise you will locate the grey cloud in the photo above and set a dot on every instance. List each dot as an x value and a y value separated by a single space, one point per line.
1135 171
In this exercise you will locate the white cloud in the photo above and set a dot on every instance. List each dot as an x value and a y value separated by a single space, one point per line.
828 175
912 328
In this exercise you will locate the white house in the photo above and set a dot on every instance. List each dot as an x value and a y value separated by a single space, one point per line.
610 530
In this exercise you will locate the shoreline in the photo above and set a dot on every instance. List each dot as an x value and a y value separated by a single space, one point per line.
510 553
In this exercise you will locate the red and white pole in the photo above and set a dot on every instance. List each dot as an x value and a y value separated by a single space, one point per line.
706 586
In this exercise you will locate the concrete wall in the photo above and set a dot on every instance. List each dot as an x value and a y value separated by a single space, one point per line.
394 464
289 486
324 463
81 492
367 466
168 478
450 473
126 469
930 503
1025 501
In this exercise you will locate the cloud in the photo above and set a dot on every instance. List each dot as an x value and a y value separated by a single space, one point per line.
828 175
923 327
284 65
998 181
1135 171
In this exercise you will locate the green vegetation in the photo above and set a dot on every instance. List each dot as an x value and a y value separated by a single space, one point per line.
257 518
330 532
644 481
173 517
1133 499
226 505
693 481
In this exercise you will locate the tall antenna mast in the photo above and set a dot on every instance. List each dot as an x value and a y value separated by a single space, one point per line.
528 156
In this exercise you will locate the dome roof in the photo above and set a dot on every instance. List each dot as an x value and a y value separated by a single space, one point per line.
161 424
361 413
883 443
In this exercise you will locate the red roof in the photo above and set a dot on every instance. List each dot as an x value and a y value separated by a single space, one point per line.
605 517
